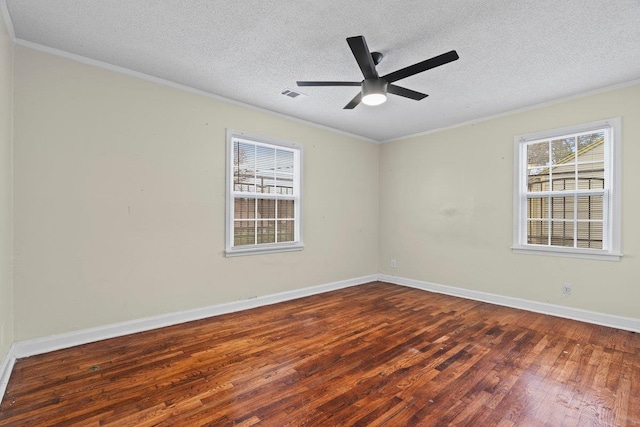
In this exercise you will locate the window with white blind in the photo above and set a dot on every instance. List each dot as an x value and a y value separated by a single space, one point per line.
567 197
263 195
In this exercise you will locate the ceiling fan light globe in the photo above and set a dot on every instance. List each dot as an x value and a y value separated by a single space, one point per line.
374 98
374 91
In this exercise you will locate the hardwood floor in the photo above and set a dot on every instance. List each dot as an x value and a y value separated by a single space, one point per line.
371 355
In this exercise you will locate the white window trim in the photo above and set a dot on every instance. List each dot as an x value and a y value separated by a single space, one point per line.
612 156
230 250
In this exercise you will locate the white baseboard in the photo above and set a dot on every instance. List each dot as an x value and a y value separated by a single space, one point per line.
603 319
56 342
5 371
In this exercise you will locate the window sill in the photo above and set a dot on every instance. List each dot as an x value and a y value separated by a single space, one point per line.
263 250
568 253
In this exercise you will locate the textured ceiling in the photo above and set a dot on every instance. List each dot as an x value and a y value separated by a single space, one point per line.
513 54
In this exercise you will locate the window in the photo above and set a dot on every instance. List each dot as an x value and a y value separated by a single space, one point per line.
263 195
567 197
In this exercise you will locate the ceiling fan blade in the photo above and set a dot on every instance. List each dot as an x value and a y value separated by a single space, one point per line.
355 101
407 93
361 52
329 83
434 62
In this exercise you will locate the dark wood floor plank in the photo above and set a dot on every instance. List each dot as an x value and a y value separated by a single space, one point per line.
370 355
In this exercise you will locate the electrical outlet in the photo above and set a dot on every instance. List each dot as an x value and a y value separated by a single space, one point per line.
394 263
566 289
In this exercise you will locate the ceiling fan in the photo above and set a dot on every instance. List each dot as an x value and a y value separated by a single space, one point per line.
374 88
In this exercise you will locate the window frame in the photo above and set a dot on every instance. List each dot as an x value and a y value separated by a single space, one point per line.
231 195
611 250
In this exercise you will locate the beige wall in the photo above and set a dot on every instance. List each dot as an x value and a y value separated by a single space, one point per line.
119 200
6 190
119 204
446 203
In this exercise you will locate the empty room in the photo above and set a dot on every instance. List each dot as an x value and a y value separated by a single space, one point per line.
336 213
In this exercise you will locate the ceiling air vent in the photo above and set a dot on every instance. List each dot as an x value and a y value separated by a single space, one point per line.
293 94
